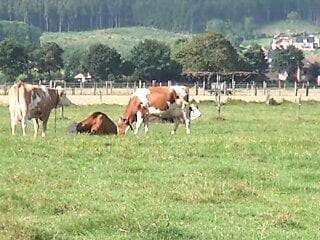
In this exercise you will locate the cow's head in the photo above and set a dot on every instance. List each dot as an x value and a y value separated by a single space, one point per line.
63 100
124 125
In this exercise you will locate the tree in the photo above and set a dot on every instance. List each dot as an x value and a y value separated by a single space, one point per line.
255 60
152 60
103 60
287 60
74 63
47 58
13 58
313 72
208 52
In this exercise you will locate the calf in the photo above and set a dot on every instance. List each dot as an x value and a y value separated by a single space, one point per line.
34 102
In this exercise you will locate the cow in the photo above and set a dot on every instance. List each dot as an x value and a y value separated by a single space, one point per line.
165 102
27 101
97 123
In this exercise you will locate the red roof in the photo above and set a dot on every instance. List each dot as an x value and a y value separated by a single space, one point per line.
313 60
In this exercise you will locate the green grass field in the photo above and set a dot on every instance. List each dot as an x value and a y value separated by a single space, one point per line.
254 175
122 39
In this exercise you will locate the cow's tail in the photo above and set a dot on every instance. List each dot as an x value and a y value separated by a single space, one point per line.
15 107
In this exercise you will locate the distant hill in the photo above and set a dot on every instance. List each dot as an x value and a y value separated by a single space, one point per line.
290 27
122 39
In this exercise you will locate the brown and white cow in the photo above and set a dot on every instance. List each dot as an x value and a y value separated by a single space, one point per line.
27 101
97 123
165 102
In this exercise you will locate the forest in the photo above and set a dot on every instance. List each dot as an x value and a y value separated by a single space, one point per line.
189 16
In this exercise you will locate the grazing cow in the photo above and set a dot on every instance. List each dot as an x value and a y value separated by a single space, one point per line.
165 102
97 123
34 102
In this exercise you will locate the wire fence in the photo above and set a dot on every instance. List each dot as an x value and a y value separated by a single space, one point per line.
273 88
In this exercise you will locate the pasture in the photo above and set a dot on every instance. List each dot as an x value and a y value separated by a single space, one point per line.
254 175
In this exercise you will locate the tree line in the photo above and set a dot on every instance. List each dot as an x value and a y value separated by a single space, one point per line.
174 15
149 60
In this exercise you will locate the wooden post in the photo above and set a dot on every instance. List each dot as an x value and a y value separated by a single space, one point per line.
268 97
284 86
264 88
160 84
50 84
100 94
225 88
107 87
5 88
94 88
134 85
218 116
279 83
127 86
81 87
144 84
140 84
204 87
299 108
197 88
252 88
233 87
111 83
247 86
295 89
307 89
73 90
153 83
169 83
255 89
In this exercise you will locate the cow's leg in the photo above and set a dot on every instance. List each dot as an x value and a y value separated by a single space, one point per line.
146 125
186 119
35 126
44 127
139 122
24 125
176 122
13 125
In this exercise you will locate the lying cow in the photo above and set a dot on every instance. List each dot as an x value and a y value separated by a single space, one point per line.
97 123
164 102
34 102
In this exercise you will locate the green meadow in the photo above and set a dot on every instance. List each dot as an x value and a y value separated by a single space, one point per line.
122 39
253 175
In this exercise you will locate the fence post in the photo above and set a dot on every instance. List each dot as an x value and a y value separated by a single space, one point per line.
233 87
279 83
50 84
160 84
218 105
169 83
197 88
81 86
134 85
140 83
295 88
252 88
153 83
299 107
307 89
225 88
111 87
264 88
94 87
107 87
144 84
204 87
100 94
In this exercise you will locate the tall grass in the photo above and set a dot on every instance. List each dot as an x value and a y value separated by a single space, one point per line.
254 175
